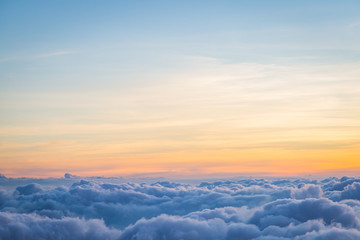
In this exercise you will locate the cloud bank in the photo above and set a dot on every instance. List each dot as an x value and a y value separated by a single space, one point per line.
94 208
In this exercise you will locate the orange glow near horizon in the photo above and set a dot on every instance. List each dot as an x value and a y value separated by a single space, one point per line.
195 164
216 120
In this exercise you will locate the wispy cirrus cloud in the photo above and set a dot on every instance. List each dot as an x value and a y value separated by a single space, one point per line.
35 56
53 54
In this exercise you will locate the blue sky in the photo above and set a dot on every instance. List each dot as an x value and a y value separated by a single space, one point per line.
123 33
199 28
86 43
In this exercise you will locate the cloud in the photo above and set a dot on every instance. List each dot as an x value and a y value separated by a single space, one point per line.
345 181
172 227
334 233
30 226
286 211
68 175
53 54
307 191
29 189
103 208
351 191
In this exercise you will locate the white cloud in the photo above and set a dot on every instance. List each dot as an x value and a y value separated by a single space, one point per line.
250 208
53 54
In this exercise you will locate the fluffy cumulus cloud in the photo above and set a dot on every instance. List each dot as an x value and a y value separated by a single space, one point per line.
33 227
99 208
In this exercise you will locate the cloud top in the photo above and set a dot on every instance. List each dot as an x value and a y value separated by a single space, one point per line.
96 208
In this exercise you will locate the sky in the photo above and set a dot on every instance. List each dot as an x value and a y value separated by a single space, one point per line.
179 88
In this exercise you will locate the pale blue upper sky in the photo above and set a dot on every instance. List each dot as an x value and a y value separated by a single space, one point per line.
89 38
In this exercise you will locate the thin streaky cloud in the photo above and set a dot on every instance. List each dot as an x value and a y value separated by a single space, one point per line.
53 54
36 56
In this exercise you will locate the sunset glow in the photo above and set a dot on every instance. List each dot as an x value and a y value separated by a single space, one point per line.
253 90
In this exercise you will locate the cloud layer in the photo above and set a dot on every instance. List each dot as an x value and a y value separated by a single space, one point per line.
236 209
